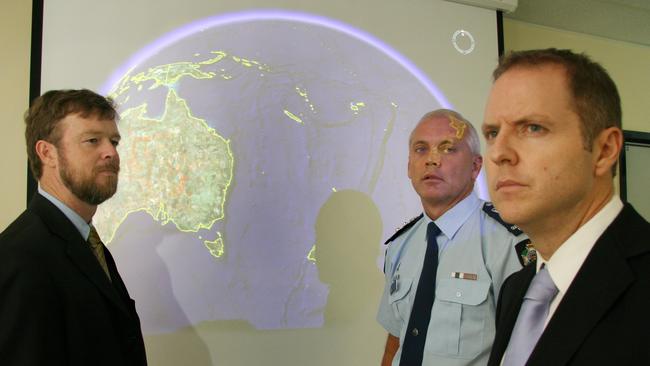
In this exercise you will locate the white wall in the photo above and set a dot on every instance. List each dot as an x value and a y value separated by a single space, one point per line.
627 63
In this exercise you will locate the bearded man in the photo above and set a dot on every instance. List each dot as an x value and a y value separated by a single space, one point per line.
63 301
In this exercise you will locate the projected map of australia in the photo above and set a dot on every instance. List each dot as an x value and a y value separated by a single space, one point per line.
236 130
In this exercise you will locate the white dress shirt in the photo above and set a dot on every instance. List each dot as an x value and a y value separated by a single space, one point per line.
569 257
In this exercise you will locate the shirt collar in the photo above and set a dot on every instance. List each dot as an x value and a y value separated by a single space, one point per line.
569 257
455 217
77 221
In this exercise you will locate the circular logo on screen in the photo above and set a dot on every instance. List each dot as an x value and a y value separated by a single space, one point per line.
463 41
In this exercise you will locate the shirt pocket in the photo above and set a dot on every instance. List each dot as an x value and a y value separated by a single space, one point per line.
399 299
458 318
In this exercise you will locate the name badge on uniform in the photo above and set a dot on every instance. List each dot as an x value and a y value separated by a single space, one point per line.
464 276
394 285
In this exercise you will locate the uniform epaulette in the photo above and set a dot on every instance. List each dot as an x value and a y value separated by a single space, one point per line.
489 209
526 253
404 228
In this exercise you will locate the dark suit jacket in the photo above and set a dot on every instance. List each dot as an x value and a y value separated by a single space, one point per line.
603 317
57 307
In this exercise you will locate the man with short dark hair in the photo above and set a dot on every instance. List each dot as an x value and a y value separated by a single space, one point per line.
444 269
63 301
553 131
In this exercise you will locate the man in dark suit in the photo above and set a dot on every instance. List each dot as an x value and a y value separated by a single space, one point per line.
62 301
553 131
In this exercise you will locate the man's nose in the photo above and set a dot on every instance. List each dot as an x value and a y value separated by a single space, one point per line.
501 149
109 151
434 158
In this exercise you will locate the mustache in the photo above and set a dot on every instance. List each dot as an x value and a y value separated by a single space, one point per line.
112 166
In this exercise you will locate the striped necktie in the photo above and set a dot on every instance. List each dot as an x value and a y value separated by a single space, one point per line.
98 249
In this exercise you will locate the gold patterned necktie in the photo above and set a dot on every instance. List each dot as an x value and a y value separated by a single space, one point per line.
98 249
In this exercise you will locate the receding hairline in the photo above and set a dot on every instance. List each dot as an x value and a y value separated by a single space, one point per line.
449 115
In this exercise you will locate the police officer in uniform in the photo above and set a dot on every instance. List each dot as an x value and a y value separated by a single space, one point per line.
445 267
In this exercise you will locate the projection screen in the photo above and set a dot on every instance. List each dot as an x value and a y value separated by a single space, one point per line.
264 151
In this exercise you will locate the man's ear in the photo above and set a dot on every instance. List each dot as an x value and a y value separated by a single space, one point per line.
607 148
47 152
477 163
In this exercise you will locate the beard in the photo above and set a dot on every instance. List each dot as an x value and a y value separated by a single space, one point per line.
83 184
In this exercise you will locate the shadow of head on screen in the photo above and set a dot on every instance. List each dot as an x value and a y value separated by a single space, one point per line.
348 231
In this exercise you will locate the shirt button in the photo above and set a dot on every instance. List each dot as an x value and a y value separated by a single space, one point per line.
415 332
458 294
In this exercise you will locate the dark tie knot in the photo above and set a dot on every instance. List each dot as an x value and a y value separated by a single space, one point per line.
432 231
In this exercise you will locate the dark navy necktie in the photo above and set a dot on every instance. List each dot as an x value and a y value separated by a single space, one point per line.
416 333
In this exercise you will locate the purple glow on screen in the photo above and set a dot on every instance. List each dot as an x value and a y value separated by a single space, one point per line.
284 173
248 16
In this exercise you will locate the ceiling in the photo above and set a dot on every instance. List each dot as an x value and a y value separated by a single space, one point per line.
623 20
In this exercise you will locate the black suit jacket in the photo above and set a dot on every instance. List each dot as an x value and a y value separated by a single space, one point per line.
603 317
57 307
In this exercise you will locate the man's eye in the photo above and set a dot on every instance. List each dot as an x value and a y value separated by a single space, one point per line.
490 134
533 128
419 149
447 149
115 142
92 140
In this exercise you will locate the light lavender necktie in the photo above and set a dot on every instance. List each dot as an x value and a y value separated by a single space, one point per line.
531 319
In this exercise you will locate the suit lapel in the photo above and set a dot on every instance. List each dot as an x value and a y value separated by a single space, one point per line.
602 279
76 248
511 298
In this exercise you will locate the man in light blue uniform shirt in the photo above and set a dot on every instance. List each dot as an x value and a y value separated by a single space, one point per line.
476 250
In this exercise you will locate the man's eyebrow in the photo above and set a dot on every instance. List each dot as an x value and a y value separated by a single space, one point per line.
488 125
524 119
533 118
100 132
416 142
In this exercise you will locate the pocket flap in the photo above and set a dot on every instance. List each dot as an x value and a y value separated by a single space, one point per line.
462 291
403 288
